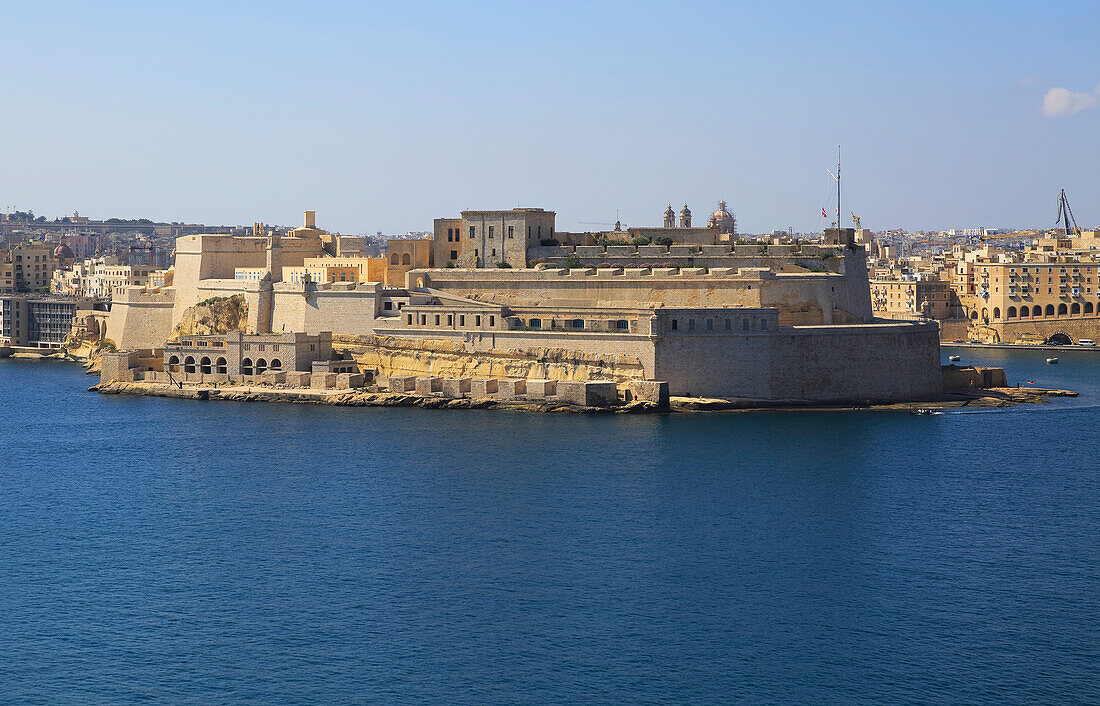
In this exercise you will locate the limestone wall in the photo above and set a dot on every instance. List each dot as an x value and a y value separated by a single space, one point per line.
878 362
349 312
806 298
140 319
1076 327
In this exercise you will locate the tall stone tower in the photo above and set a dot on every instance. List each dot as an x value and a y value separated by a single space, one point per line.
685 217
670 217
275 257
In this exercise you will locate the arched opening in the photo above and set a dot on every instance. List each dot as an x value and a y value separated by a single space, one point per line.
1036 310
1063 309
204 366
1025 312
174 364
220 366
246 366
420 282
1049 310
1088 307
996 312
1012 312
974 315
1075 308
276 364
985 314
189 364
1059 339
261 366
394 260
406 259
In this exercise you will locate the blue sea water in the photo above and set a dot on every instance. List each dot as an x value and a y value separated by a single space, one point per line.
171 551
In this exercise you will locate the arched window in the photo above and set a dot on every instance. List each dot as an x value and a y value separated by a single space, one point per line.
1025 311
996 312
174 364
189 364
985 314
204 366
1088 307
261 366
276 364
1012 312
1049 310
220 366
1036 310
974 315
1062 309
394 259
1075 308
406 259
246 366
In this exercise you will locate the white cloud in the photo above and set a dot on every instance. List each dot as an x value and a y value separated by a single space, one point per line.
1062 101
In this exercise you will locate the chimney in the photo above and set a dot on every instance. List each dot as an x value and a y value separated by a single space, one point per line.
311 219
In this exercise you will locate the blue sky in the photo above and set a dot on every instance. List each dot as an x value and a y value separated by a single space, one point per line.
383 116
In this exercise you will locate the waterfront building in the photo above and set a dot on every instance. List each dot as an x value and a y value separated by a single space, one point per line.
41 322
912 296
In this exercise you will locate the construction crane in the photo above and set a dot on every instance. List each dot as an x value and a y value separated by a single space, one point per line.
855 218
1066 215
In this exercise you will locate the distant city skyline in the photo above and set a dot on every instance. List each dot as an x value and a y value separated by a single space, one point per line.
382 118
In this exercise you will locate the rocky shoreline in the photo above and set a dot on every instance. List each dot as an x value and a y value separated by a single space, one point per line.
974 398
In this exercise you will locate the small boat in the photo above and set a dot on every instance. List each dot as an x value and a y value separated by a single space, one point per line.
954 358
925 411
1052 361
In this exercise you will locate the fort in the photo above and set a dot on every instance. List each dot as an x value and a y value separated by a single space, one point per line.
502 295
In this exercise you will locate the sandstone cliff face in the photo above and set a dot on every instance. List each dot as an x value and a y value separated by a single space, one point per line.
441 358
214 316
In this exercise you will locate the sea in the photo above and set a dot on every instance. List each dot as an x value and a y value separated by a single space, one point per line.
186 552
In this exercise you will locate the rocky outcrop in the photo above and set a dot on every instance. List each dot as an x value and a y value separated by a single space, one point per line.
215 316
356 398
392 356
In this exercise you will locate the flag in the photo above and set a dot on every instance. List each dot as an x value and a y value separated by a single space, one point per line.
823 214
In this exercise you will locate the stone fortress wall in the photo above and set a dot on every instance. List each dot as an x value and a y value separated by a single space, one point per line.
754 321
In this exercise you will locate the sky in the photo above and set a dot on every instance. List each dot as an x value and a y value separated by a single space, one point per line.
383 116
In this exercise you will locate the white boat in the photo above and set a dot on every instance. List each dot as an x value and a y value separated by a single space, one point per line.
953 358
1052 361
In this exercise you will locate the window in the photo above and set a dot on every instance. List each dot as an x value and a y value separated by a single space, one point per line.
535 323
744 324
674 324
763 324
450 319
511 231
461 319
577 323
494 253
410 318
437 319
540 231
472 231
728 324
477 253
387 306
622 325
423 319
490 232
710 324
691 324
477 321
454 254
492 321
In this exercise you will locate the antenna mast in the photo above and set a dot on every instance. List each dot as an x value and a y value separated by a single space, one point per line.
838 193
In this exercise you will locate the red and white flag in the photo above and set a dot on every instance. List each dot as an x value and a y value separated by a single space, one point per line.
823 214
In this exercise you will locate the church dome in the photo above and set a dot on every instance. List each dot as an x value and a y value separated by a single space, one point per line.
63 250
